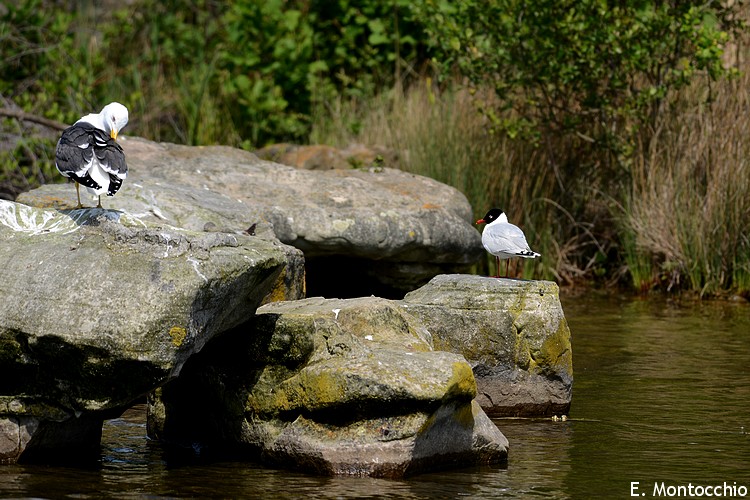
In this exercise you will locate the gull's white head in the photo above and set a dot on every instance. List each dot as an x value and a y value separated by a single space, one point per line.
114 117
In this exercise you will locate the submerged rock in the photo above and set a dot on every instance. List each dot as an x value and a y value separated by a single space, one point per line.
514 334
98 308
337 387
363 231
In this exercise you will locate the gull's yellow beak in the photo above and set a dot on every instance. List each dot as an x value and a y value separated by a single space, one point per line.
113 134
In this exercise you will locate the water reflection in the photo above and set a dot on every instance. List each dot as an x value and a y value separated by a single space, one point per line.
665 386
661 394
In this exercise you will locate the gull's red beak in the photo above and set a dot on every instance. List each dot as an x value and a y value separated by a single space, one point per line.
480 221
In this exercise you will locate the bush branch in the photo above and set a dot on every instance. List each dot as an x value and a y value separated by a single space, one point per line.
28 117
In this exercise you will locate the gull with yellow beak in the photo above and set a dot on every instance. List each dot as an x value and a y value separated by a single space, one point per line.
88 153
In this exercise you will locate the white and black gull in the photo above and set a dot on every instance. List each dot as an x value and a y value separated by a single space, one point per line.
88 153
503 239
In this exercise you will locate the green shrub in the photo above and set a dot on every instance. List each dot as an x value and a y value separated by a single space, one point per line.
587 85
45 64
569 64
249 72
26 166
594 69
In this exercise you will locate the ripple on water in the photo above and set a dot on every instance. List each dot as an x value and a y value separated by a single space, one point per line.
660 394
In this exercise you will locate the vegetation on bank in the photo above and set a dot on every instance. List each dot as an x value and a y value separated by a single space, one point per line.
613 134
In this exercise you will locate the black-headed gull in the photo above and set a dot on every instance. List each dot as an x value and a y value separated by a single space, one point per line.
504 240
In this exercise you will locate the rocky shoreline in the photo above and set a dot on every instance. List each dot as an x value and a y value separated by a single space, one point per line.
190 287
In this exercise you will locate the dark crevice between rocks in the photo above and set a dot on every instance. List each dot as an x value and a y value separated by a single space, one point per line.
76 441
529 410
88 373
346 277
199 414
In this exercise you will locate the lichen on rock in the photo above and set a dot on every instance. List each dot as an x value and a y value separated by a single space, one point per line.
361 393
98 308
514 334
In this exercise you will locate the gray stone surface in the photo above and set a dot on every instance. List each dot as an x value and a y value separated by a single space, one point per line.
128 296
323 157
99 307
514 334
376 227
341 387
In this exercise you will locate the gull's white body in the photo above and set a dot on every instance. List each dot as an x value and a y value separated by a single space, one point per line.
88 153
112 118
503 239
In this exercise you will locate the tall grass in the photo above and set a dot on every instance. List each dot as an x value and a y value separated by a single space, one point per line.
673 218
689 204
442 135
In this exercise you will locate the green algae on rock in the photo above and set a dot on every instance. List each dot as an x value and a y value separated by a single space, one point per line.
362 394
514 334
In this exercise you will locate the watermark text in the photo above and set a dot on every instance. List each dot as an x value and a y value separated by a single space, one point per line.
662 489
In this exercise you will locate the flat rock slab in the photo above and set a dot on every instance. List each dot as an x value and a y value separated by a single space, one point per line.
381 225
514 334
322 157
335 387
98 307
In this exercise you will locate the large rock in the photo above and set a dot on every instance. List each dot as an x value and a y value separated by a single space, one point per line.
98 307
322 157
514 334
363 231
337 387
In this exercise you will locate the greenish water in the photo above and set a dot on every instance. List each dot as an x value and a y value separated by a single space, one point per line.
661 394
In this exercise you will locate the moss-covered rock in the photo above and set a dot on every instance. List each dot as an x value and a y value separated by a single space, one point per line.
334 387
98 307
514 334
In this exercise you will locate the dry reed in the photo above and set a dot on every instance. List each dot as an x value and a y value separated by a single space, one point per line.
689 206
442 134
674 219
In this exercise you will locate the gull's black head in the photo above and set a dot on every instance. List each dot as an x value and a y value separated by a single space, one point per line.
490 216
